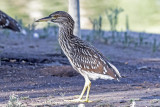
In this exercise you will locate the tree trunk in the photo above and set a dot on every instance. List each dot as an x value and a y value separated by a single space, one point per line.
74 11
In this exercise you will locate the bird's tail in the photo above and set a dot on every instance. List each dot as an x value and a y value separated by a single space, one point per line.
115 70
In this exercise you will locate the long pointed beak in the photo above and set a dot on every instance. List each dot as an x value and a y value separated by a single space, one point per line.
45 19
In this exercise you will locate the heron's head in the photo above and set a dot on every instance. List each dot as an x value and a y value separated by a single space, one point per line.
59 18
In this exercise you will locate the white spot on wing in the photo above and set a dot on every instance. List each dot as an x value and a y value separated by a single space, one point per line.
102 60
95 56
105 71
7 22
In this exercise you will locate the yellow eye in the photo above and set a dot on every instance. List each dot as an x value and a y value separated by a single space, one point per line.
56 16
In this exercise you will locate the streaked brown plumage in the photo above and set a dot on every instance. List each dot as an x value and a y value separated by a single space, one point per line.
6 22
84 58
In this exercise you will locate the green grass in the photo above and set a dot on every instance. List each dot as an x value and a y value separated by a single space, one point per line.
143 15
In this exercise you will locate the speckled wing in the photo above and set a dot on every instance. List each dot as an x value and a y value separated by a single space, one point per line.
87 59
8 22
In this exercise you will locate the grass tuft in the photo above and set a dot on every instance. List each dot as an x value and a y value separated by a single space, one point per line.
14 101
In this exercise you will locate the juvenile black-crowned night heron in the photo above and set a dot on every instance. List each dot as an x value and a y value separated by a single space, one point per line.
84 58
6 22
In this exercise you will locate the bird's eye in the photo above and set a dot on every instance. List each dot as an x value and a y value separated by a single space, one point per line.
56 16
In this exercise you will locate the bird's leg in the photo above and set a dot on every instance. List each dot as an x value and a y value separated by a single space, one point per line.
83 91
87 95
86 85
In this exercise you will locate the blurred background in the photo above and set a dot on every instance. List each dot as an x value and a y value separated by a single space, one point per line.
33 66
141 15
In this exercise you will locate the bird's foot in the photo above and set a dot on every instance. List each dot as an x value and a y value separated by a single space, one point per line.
79 100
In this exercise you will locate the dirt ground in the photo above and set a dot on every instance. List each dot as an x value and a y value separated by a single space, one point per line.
36 71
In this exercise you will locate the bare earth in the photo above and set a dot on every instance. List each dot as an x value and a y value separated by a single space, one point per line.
35 70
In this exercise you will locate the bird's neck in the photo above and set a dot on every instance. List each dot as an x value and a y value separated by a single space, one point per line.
65 33
66 30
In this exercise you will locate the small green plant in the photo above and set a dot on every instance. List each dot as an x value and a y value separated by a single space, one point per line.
128 39
88 38
24 98
30 29
20 22
97 28
14 101
106 40
112 16
132 103
140 39
125 38
154 47
127 23
46 31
